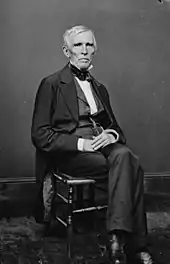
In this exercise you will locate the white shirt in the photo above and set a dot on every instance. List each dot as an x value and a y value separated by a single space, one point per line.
86 88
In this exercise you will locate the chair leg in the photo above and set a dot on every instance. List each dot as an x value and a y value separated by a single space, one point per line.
91 195
69 222
79 198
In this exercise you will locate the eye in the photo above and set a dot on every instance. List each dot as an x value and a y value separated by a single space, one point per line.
90 44
77 44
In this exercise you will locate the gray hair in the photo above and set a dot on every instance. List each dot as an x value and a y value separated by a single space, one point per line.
74 31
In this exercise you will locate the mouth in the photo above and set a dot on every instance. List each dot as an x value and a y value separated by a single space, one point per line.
84 60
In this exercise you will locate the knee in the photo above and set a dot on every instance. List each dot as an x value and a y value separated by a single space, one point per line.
122 152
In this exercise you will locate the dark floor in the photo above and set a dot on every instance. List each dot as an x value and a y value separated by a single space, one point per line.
23 241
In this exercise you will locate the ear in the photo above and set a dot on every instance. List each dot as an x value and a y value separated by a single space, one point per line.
66 51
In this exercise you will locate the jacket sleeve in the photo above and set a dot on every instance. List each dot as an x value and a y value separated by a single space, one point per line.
115 124
44 136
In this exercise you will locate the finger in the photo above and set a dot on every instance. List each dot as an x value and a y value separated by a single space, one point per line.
97 138
100 137
100 145
105 144
98 142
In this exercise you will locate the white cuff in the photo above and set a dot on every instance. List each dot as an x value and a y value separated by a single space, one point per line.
80 144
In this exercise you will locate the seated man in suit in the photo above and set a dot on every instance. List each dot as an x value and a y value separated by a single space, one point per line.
75 129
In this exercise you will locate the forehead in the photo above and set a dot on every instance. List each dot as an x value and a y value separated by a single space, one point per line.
82 37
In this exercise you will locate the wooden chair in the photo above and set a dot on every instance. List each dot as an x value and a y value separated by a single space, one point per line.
75 185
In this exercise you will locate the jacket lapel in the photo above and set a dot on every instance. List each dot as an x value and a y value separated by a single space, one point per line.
68 90
96 86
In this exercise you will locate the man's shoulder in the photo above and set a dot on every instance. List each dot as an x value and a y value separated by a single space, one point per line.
99 84
53 77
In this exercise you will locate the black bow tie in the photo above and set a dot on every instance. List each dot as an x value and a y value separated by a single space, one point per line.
82 75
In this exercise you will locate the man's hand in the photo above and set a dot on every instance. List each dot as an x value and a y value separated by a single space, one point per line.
87 145
103 140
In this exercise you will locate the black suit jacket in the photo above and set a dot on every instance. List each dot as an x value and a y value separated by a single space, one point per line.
56 115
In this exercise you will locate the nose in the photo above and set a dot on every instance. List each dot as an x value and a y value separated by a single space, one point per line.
84 49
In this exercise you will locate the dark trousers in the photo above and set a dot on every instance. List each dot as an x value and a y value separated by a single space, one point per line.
125 186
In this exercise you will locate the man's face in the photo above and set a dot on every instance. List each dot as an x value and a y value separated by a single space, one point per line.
81 49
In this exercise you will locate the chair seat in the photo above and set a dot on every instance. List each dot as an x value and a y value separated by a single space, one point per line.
71 180
65 178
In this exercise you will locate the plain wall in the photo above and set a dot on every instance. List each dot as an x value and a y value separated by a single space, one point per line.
133 61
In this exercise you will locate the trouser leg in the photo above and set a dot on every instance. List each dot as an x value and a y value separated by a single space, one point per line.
84 164
140 220
125 204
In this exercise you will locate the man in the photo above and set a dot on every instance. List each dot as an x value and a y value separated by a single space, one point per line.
75 130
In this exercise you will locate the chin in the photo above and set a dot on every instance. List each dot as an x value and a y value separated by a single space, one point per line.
84 66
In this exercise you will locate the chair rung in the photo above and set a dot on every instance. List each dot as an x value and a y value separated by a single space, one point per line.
88 209
62 197
61 221
80 181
